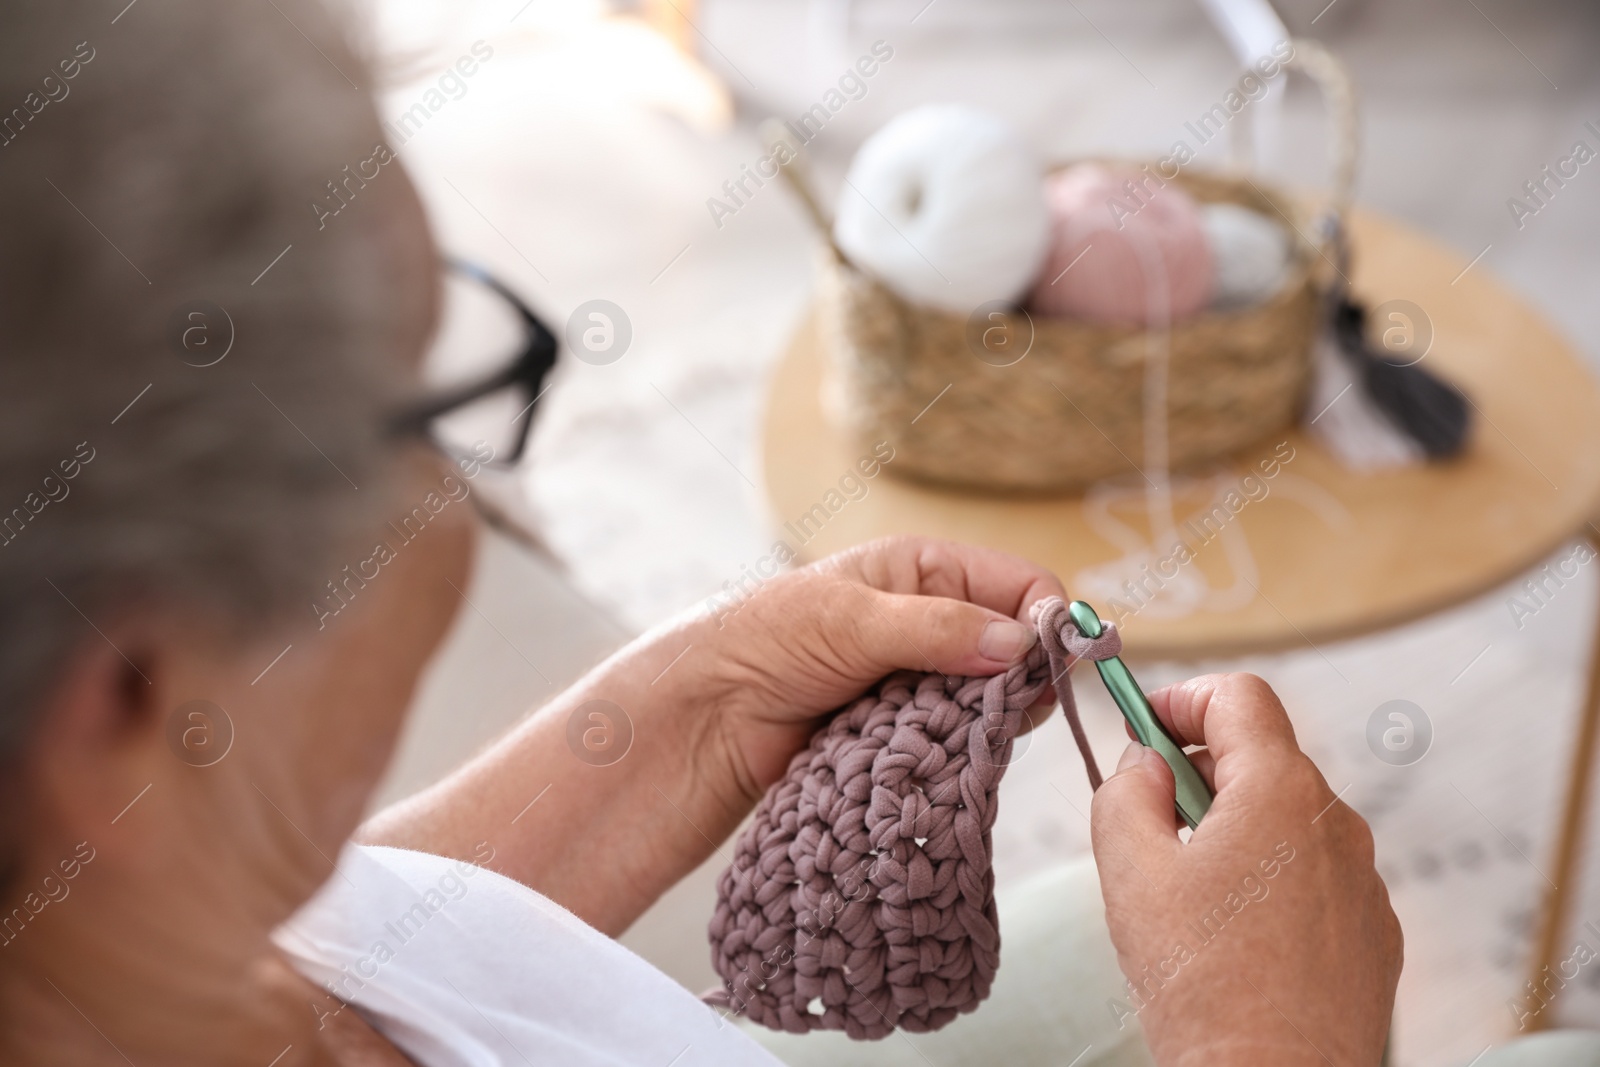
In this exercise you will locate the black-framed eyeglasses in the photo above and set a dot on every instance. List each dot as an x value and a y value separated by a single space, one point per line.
486 370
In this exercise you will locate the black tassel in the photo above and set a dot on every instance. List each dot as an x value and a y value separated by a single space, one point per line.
1426 408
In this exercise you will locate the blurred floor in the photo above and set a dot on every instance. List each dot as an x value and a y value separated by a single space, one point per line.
578 165
522 635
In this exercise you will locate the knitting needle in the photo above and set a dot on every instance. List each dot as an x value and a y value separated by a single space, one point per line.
1194 799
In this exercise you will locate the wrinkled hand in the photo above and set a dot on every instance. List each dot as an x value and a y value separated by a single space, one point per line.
812 639
716 704
1266 939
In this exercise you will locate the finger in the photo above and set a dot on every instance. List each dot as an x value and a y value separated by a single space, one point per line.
928 633
1203 760
987 577
1131 820
1206 764
1227 713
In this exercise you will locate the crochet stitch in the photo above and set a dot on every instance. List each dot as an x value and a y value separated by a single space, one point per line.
861 897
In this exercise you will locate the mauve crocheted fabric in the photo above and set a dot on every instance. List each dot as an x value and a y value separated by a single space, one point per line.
862 896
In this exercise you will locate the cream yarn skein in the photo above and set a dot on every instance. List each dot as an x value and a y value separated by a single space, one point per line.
1251 253
945 205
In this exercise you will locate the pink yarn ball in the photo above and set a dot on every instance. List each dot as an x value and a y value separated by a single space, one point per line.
1144 255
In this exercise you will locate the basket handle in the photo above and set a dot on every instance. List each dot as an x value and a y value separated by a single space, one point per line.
1332 79
773 133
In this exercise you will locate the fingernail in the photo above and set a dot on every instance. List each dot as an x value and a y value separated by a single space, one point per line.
1130 756
1005 641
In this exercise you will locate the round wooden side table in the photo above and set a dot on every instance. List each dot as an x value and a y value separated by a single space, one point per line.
1399 544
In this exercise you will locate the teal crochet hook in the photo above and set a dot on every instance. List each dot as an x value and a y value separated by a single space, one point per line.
1194 799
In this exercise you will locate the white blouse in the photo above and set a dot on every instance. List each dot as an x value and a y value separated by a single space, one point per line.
463 967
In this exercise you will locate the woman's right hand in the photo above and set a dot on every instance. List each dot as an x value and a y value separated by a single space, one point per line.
1268 937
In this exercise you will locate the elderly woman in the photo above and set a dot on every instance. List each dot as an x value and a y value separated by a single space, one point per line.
214 432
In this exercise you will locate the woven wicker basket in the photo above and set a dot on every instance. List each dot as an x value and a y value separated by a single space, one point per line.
1072 410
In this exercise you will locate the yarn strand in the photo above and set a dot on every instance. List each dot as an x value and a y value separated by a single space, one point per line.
1064 644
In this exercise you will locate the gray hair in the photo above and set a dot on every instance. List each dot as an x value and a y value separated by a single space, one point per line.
169 154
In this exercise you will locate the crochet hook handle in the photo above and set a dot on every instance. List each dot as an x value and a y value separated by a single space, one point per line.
1194 799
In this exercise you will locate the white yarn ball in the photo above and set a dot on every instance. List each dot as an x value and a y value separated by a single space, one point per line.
945 204
1250 253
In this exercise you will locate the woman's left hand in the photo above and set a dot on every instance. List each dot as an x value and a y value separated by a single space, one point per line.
701 715
808 641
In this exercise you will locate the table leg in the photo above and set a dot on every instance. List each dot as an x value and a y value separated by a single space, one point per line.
1570 833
